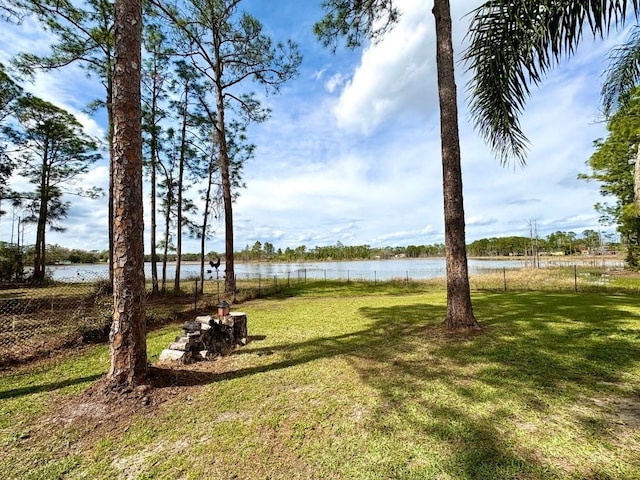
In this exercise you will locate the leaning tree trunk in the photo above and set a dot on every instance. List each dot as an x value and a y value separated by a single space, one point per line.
128 330
459 309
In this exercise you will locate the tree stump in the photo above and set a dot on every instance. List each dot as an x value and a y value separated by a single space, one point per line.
239 327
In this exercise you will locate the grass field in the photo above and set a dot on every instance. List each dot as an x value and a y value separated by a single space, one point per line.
348 381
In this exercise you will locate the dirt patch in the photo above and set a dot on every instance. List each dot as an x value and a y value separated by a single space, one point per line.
103 411
621 411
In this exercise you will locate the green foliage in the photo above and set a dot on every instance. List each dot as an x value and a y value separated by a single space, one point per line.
610 166
355 22
11 266
10 91
84 32
623 72
9 94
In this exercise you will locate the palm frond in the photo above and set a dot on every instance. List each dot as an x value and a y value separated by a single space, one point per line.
623 72
512 45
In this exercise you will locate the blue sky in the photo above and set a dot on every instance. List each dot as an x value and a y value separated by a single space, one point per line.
351 152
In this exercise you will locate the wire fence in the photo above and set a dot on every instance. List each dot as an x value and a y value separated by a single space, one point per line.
35 321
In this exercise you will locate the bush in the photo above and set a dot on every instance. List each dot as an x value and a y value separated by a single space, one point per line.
11 267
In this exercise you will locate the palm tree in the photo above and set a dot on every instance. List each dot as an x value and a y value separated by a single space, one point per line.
513 44
356 21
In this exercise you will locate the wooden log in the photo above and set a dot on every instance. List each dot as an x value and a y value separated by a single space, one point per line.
239 327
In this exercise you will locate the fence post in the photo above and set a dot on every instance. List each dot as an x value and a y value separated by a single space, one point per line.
504 277
325 275
259 284
348 277
288 279
195 297
375 278
575 278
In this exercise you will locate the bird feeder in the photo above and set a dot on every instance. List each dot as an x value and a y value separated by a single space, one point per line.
223 308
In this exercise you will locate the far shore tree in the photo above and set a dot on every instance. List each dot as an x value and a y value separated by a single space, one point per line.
54 152
232 51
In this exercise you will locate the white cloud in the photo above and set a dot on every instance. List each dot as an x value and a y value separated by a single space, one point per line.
334 82
393 74
397 76
318 74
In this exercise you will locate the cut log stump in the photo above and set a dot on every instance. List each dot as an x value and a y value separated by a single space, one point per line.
239 327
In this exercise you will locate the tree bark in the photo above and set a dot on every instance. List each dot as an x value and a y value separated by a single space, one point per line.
128 330
459 308
111 155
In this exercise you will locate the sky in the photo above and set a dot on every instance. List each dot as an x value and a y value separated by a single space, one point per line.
351 152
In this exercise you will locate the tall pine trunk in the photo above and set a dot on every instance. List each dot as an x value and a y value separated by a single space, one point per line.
153 152
227 199
154 223
111 155
459 309
183 159
40 246
128 331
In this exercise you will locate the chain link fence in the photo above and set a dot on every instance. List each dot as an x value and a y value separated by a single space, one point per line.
35 321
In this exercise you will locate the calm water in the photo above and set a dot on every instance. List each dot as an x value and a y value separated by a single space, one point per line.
418 269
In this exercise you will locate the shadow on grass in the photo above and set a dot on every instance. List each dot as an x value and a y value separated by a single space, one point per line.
544 353
46 387
539 353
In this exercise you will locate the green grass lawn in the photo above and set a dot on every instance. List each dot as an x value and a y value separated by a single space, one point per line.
353 382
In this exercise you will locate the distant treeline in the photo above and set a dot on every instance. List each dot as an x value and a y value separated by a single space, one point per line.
558 243
267 252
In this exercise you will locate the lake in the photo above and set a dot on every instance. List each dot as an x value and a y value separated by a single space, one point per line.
412 268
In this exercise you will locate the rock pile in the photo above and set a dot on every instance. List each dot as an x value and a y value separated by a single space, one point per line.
207 337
